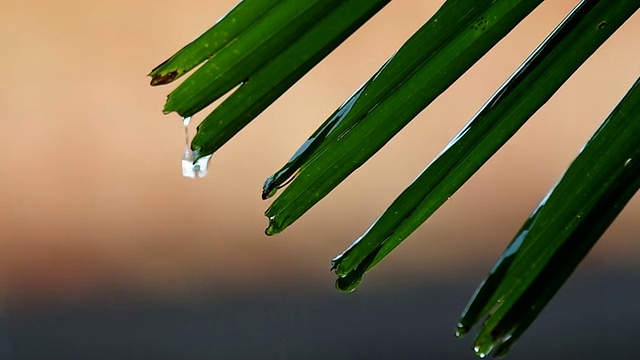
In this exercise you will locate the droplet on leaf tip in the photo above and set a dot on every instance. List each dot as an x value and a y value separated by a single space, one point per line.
461 330
271 228
190 168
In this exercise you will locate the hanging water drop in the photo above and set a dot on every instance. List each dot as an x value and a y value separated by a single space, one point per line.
194 170
461 330
271 228
348 284
483 349
191 169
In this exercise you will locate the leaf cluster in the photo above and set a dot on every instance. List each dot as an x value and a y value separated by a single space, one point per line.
262 47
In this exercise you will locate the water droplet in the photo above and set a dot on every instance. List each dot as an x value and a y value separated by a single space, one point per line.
271 229
627 162
482 350
191 169
267 194
461 330
348 284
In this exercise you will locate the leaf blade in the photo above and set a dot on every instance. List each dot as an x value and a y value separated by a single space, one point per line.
321 173
509 108
226 30
280 73
236 62
564 227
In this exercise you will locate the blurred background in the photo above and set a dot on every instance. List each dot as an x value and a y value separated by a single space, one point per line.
107 252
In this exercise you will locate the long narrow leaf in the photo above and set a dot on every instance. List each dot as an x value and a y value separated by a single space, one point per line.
419 49
232 65
279 74
459 40
226 30
539 77
562 230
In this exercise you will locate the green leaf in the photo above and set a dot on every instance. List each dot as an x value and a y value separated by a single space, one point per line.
537 79
561 231
439 53
234 64
280 73
239 19
265 46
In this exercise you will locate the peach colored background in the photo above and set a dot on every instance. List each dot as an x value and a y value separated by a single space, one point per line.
91 196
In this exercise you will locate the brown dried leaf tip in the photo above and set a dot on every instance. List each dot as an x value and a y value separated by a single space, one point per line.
162 79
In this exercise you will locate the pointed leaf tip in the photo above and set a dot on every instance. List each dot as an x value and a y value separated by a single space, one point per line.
163 79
